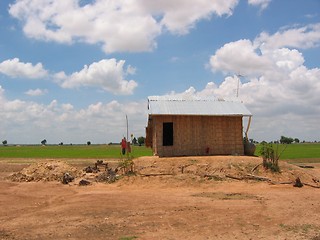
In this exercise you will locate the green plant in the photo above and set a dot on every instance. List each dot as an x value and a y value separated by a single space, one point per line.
141 140
270 156
126 164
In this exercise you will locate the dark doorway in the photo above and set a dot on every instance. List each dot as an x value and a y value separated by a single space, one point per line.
168 134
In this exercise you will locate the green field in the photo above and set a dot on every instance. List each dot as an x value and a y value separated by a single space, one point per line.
70 151
293 152
305 152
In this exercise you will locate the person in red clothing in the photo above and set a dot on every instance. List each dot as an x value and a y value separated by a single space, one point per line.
123 145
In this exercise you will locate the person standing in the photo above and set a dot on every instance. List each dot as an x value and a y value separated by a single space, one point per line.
123 145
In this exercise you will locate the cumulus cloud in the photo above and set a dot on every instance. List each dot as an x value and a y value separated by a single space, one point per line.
258 63
112 23
180 16
282 93
16 69
62 122
36 92
241 57
107 73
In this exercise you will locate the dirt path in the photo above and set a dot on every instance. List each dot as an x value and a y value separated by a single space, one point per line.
160 207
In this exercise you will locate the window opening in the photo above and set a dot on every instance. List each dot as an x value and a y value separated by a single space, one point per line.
168 134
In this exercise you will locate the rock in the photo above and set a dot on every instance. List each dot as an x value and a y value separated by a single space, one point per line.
67 178
298 183
109 176
84 182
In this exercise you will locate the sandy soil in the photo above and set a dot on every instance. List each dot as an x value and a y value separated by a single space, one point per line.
188 198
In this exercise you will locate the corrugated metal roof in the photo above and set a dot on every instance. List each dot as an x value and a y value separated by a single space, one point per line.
159 105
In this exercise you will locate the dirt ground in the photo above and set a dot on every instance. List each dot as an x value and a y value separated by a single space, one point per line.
180 198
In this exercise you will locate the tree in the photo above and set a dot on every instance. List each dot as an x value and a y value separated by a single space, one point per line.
5 142
134 141
286 140
296 140
44 142
141 140
88 143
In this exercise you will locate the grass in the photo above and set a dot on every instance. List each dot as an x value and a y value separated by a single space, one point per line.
70 151
296 151
303 152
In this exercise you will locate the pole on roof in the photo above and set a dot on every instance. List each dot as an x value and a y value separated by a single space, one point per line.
238 76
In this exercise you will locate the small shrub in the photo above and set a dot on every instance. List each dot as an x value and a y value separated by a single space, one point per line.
272 166
270 156
126 165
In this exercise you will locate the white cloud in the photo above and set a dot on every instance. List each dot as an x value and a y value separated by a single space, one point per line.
112 23
240 57
282 93
311 15
181 15
56 122
107 74
16 69
36 92
263 4
303 37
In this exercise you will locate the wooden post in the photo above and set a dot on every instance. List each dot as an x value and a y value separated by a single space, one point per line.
249 122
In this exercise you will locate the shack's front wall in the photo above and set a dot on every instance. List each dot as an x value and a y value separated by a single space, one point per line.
198 135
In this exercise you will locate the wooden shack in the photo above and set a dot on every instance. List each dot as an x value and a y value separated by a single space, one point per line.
194 126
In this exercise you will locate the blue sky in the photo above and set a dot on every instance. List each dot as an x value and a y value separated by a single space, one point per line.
70 71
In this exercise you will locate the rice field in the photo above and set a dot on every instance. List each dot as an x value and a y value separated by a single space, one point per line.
100 151
292 152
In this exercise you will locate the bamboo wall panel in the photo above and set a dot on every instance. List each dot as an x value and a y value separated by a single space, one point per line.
199 135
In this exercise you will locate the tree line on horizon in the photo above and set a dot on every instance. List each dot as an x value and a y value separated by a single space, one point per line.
286 140
140 141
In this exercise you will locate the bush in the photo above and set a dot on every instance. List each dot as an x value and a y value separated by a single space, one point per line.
270 156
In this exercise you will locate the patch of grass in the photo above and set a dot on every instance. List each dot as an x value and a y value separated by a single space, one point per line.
304 228
128 238
215 178
225 196
193 161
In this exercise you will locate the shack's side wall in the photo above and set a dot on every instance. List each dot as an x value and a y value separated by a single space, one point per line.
198 135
